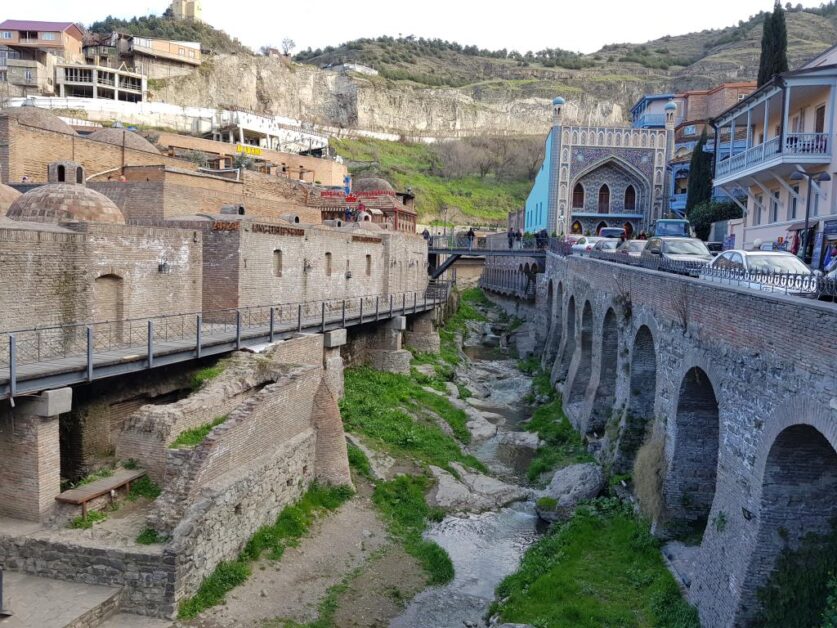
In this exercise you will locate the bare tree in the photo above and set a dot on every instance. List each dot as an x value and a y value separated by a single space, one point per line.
288 46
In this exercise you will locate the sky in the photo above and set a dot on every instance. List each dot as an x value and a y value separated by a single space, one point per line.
579 25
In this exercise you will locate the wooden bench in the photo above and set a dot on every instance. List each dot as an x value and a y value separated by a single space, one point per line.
81 495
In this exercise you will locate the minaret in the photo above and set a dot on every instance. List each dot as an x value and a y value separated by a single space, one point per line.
671 115
555 221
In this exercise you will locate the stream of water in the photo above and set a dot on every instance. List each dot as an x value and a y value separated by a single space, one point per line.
486 547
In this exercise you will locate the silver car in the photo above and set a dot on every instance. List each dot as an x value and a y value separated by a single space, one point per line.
767 271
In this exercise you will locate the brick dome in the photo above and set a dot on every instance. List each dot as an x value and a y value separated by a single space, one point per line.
64 202
116 136
38 118
7 197
371 184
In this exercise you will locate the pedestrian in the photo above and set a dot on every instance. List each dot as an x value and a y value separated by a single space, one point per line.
425 234
510 236
518 237
471 236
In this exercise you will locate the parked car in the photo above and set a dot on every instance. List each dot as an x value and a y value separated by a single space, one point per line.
673 228
634 248
677 249
768 271
607 245
585 244
715 247
612 232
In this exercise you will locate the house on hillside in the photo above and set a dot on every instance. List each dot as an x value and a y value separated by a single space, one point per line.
32 49
786 162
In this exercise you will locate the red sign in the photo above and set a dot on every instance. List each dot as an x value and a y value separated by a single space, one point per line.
351 198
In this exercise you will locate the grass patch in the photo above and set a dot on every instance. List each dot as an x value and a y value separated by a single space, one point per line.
150 536
601 568
194 437
144 487
359 462
379 406
401 502
547 503
206 374
293 523
529 366
85 523
564 446
101 474
456 325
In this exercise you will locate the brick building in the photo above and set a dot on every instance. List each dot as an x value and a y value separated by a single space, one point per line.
372 199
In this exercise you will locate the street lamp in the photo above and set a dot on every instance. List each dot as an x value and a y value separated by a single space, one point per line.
800 175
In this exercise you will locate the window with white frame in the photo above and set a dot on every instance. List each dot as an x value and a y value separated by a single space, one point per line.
794 199
48 36
6 35
774 207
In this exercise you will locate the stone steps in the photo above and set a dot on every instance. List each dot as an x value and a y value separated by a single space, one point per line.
47 603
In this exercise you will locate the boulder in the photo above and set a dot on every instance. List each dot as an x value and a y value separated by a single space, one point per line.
428 370
472 492
380 463
521 440
568 487
480 427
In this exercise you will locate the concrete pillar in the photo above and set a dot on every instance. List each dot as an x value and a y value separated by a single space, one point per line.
30 455
422 335
333 362
386 353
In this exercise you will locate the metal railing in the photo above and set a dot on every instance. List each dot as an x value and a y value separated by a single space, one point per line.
519 286
142 339
496 243
809 144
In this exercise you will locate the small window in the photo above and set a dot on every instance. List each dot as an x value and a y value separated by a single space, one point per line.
192 54
578 196
7 35
277 263
774 207
181 52
27 75
630 198
690 130
793 201
62 175
79 175
368 265
328 265
48 36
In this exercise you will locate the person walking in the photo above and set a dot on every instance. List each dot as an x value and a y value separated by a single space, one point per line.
471 236
510 236
518 238
425 234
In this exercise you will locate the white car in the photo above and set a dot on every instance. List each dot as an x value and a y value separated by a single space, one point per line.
607 245
632 248
585 244
768 271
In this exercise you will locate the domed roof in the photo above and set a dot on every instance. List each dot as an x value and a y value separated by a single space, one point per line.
371 184
114 135
38 118
558 100
670 106
63 202
7 196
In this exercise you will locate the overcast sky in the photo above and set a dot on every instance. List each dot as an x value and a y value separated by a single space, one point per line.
582 25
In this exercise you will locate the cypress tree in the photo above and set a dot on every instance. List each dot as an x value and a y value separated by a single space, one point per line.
700 176
780 41
765 61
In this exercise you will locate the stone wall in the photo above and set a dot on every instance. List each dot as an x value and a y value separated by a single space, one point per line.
739 396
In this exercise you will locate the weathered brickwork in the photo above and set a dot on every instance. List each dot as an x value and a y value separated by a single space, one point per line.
739 384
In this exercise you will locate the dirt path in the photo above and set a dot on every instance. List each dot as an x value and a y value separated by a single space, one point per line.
292 588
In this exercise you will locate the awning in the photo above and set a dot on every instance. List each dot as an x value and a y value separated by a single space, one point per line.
372 210
799 226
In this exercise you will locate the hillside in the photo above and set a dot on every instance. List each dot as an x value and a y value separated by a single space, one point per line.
168 28
461 196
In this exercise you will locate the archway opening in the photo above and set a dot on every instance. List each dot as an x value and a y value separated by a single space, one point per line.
578 196
691 482
606 390
604 199
553 338
630 198
569 345
582 375
600 226
796 543
641 397
576 227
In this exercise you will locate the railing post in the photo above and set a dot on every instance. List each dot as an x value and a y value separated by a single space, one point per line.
322 317
361 310
377 316
89 353
199 323
390 305
299 318
344 313
12 366
4 612
238 329
403 303
272 332
150 344
415 297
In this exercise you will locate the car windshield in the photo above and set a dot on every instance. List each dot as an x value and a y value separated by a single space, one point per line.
685 247
672 229
636 246
608 244
777 264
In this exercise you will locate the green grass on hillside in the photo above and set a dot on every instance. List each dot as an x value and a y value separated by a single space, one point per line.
404 164
601 568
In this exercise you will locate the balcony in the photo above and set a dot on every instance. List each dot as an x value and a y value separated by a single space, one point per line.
793 148
653 121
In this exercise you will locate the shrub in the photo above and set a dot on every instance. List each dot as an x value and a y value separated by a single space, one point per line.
195 436
144 487
547 503
150 536
206 374
359 462
649 469
85 523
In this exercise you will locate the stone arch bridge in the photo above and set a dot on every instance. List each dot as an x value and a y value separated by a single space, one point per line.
737 389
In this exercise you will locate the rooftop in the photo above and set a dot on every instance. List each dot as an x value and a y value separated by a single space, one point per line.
33 25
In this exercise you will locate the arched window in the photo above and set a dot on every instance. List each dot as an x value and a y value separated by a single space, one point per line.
328 265
630 198
604 199
62 177
79 175
600 226
576 227
578 196
368 265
